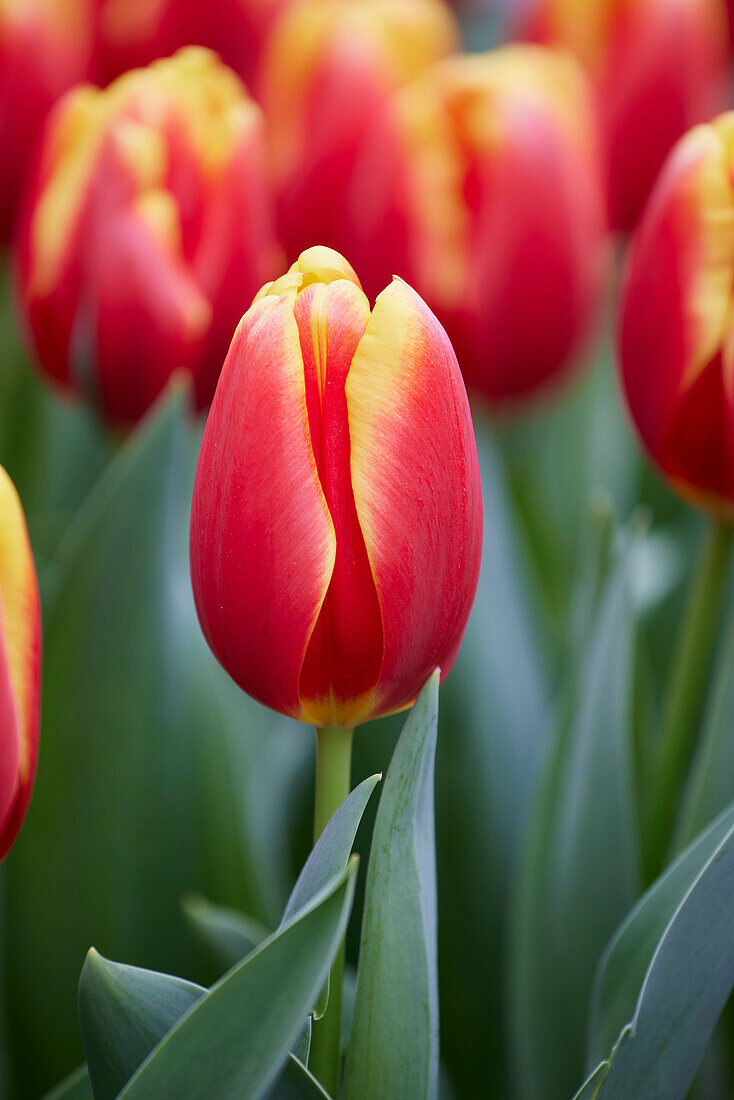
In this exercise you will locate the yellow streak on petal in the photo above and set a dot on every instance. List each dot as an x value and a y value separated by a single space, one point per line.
398 37
708 189
18 610
470 106
193 92
143 149
330 711
316 265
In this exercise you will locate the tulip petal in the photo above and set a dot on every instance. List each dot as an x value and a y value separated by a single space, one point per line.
676 312
257 490
344 655
416 488
20 646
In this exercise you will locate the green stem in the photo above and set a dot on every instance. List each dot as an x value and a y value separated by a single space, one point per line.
685 694
333 771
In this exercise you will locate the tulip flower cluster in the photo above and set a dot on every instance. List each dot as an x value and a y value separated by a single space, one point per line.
147 229
20 665
658 66
337 507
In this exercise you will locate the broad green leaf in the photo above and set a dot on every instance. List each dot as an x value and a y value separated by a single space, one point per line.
494 731
623 966
76 1086
668 972
235 1040
393 1049
124 1011
710 786
157 775
229 934
579 874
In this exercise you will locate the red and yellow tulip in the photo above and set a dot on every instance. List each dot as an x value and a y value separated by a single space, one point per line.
45 47
327 67
676 335
20 665
147 230
132 33
659 67
337 506
480 183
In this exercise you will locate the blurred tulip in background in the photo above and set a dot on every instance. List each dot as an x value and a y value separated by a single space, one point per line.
328 66
480 184
130 34
337 506
147 230
676 337
45 47
659 67
20 665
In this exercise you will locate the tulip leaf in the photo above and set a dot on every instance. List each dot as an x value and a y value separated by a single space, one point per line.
393 1049
182 777
229 934
710 786
296 1083
331 852
667 973
76 1086
581 845
235 1040
124 1011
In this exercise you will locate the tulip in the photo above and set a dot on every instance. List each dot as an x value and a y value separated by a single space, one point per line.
45 47
658 66
20 665
675 334
336 520
480 184
130 35
326 69
147 229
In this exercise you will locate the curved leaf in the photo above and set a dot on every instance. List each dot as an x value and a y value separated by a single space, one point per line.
235 1040
393 1050
124 1011
684 928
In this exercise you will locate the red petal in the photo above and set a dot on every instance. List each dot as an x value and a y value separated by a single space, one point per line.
262 540
416 488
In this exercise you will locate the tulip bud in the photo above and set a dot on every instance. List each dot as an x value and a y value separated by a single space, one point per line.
130 35
327 67
45 47
20 665
676 335
480 184
148 228
658 66
337 516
